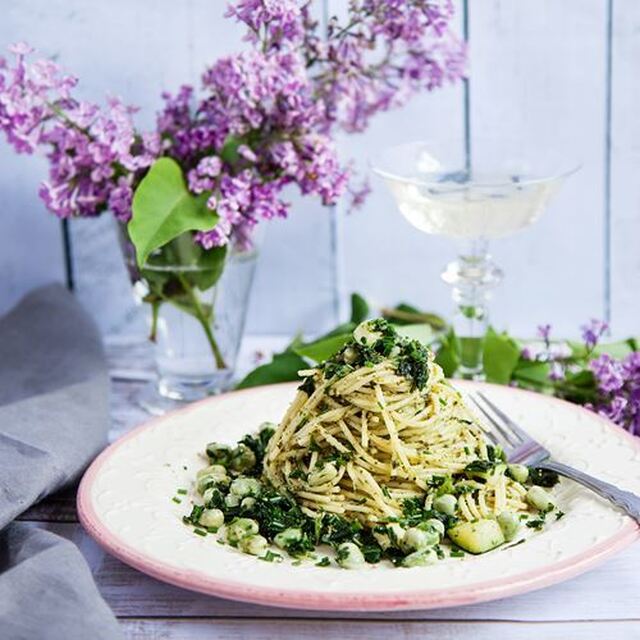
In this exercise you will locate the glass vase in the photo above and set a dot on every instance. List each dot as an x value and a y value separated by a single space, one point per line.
196 317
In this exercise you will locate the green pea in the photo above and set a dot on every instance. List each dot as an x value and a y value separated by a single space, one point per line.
390 536
240 529
243 487
286 538
446 504
349 556
435 524
420 558
509 524
255 545
219 453
519 472
416 539
248 503
242 459
211 518
538 498
211 475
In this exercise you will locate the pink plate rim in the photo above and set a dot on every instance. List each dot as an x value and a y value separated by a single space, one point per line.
356 601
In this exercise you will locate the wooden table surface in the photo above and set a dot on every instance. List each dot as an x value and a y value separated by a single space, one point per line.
603 604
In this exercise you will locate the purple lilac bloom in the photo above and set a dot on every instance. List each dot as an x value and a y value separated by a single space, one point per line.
386 52
618 384
557 372
593 331
527 353
270 20
543 332
271 93
263 121
93 153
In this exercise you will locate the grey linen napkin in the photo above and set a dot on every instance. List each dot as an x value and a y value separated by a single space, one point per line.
54 418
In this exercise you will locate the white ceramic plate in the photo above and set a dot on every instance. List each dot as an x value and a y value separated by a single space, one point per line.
125 502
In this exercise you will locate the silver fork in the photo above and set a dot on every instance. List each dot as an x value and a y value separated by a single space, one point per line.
521 448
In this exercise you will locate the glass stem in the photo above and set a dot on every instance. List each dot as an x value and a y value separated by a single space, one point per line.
472 277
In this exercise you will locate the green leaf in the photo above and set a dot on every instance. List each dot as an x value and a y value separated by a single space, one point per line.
323 348
501 355
210 267
616 349
359 308
421 332
208 264
341 329
447 355
578 387
229 152
405 313
533 374
163 209
283 368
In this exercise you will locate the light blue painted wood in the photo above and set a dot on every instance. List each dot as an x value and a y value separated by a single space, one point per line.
30 241
538 75
625 166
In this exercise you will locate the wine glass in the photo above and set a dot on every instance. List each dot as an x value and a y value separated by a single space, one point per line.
474 200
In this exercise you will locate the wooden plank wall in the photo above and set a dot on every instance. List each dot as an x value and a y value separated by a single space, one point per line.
554 76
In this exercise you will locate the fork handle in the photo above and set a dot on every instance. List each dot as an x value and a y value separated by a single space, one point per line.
626 500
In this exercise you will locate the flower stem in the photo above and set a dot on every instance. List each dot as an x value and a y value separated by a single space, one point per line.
155 309
202 318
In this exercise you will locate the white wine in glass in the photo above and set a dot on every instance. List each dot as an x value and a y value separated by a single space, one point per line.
472 201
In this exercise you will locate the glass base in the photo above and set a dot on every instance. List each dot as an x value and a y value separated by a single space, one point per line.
470 353
162 396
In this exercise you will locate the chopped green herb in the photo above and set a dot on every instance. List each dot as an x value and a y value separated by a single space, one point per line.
298 474
536 524
457 553
270 556
543 477
324 562
200 532
182 492
176 500
515 544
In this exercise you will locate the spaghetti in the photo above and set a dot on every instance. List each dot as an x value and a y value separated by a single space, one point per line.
363 442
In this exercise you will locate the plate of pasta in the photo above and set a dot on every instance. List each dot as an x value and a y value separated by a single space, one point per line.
369 485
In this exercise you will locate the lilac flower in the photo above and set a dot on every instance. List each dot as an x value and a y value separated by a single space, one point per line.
263 121
543 332
93 153
274 20
359 194
593 331
387 52
618 387
557 372
527 353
